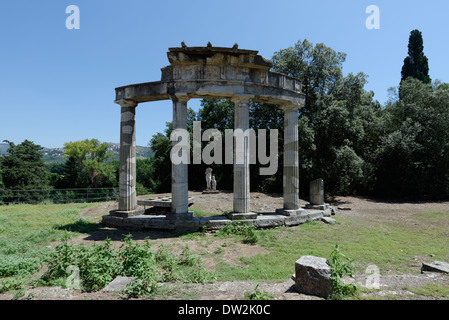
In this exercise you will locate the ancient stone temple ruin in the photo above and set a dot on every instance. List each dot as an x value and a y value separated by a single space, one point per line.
210 72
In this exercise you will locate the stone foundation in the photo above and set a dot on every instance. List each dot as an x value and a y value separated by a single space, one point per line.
145 222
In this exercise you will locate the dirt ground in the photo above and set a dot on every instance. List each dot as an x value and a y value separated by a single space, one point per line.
356 208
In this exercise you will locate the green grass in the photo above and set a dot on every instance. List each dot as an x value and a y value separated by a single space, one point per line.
25 233
391 246
396 245
198 212
432 290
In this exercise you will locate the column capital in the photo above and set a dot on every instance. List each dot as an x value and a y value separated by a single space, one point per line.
126 103
289 107
180 98
241 99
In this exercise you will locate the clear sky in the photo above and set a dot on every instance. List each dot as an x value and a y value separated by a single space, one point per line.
57 85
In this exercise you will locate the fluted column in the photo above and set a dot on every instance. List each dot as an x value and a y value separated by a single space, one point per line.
180 189
127 200
291 162
241 160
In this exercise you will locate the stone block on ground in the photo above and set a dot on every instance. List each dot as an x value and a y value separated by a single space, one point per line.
436 266
312 276
242 216
118 284
328 220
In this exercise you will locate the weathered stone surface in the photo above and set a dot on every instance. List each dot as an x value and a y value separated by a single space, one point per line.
179 216
324 206
328 220
160 202
213 72
269 221
436 266
127 200
118 284
289 213
317 192
241 163
313 276
242 216
291 161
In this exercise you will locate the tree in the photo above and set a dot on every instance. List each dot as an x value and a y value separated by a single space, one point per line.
144 174
23 167
339 125
413 156
1 179
87 165
416 63
317 66
161 145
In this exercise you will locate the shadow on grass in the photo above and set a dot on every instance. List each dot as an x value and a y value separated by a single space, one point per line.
81 226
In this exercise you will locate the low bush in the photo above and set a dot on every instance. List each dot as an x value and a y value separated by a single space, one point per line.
99 264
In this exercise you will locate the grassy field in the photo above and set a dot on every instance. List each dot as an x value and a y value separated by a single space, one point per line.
397 245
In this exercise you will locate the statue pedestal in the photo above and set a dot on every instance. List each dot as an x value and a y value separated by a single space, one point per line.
211 191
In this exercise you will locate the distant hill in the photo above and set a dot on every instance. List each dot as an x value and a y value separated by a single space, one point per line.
51 155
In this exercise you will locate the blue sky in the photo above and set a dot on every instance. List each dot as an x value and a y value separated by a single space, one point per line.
57 85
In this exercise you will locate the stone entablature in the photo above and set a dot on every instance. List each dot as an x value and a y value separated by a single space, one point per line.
210 72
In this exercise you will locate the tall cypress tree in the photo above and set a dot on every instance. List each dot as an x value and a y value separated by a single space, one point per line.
416 63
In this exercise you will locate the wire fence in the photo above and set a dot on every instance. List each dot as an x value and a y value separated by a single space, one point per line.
35 196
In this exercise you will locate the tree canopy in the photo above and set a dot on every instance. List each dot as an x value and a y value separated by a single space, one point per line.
87 165
23 167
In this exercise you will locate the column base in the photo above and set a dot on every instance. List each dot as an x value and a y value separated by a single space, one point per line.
323 206
179 216
291 212
125 214
241 215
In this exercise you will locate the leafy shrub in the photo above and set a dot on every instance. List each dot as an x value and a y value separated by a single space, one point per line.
340 267
98 266
101 263
8 284
12 265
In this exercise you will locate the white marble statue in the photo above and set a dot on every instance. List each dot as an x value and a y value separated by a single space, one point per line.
214 184
208 178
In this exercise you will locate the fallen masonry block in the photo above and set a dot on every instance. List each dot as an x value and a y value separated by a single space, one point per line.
312 276
328 220
118 284
436 266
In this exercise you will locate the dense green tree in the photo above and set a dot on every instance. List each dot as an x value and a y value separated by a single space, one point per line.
317 66
161 145
145 174
416 63
87 165
2 185
23 167
413 159
340 123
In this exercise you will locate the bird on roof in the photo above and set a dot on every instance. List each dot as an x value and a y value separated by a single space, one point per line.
209 45
183 44
235 46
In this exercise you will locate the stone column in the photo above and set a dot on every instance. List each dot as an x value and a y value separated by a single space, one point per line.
241 160
127 201
179 185
291 162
